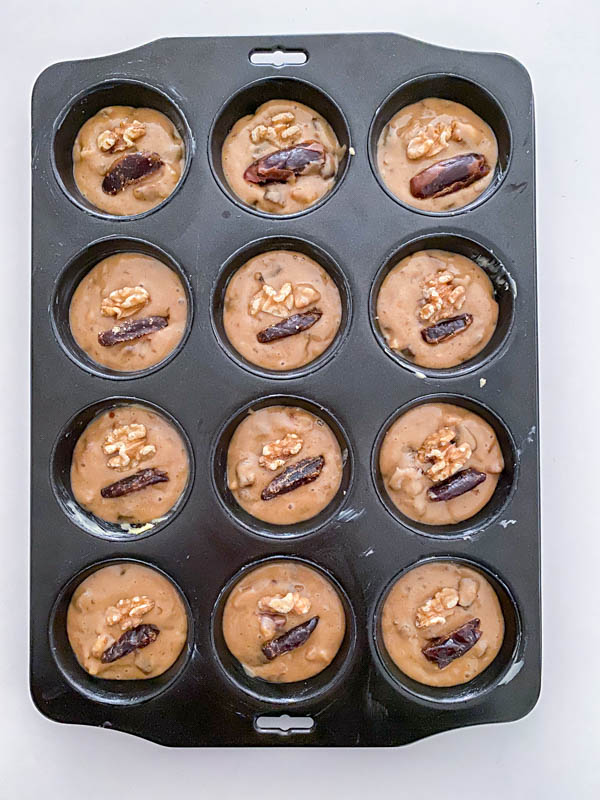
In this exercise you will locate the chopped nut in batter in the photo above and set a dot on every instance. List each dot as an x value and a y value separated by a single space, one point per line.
446 457
129 444
128 612
441 296
437 608
467 592
124 302
305 295
275 454
270 623
121 138
103 642
291 602
432 139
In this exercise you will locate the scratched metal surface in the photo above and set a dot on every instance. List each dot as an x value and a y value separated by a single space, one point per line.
362 546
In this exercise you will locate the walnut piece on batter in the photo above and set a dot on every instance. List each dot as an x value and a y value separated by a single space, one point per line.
437 608
443 454
127 446
281 302
128 611
124 302
121 138
441 296
276 453
280 130
433 138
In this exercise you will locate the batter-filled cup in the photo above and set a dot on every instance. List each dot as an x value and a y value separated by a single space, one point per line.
130 466
437 309
281 310
437 155
440 463
284 622
283 158
126 621
442 624
284 464
129 312
127 160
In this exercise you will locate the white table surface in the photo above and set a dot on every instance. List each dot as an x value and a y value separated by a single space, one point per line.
553 752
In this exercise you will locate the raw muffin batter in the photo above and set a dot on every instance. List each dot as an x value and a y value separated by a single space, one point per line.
433 287
118 444
431 601
117 132
289 183
268 602
127 287
439 448
119 601
276 286
268 443
427 133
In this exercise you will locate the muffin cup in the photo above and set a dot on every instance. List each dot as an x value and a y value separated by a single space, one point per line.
113 92
498 672
246 100
60 473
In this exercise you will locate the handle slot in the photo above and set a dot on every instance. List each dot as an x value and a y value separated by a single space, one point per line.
284 725
277 57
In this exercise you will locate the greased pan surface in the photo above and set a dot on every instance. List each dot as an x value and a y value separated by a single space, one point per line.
358 81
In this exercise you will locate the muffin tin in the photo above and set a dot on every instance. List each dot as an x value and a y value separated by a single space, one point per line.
357 232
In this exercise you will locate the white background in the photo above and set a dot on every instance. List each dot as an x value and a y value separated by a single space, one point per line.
552 753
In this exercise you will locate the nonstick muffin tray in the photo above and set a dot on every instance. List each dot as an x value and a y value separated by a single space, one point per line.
357 232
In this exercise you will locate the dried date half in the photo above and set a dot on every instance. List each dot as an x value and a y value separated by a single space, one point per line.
456 484
135 482
130 169
449 175
446 328
280 166
131 329
290 640
294 476
444 649
134 639
290 326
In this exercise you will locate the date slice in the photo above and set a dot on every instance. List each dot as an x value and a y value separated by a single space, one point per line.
280 166
131 329
449 175
456 484
130 169
290 640
289 326
294 476
134 639
446 328
444 649
133 483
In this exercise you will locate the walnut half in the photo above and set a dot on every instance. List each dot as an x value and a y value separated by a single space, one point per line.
275 454
127 446
128 611
444 456
442 296
124 302
437 608
432 139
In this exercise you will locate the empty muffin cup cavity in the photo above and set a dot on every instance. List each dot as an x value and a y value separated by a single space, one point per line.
399 299
279 147
315 618
445 466
439 144
122 469
274 282
101 133
446 630
282 466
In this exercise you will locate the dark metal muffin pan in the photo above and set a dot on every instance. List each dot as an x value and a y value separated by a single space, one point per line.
357 232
